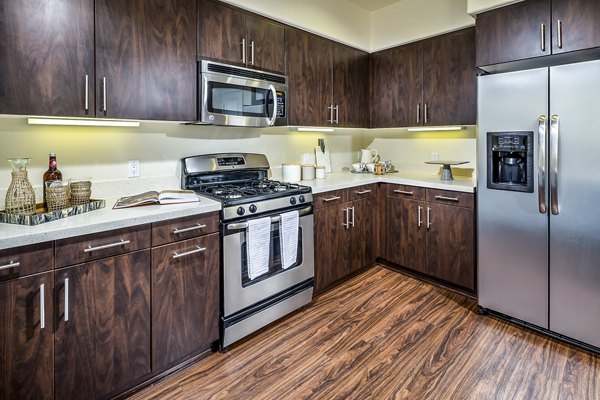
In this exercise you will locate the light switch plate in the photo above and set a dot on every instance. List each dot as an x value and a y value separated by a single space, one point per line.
134 168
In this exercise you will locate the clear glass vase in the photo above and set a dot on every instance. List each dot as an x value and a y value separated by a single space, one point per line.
20 198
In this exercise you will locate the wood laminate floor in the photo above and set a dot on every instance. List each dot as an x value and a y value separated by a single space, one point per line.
383 335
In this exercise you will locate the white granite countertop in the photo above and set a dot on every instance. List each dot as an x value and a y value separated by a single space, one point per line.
12 235
341 180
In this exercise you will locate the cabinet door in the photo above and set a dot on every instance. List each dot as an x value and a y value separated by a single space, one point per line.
579 24
266 44
406 230
513 32
102 339
220 32
396 87
26 338
450 79
145 61
185 299
362 234
331 246
450 245
47 50
310 78
351 86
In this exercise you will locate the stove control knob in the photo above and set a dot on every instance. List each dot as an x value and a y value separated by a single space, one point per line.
241 211
292 200
252 208
301 198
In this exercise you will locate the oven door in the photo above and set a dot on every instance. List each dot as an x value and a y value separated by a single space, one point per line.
238 101
239 292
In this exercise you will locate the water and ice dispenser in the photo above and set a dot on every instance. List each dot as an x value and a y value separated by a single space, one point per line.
510 161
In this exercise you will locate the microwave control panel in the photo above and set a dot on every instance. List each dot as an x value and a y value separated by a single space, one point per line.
280 104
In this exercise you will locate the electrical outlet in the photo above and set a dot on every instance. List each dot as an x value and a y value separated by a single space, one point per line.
435 156
134 168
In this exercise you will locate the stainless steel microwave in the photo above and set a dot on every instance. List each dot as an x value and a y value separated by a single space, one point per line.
236 96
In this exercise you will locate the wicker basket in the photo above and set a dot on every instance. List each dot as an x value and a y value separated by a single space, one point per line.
81 191
20 198
58 197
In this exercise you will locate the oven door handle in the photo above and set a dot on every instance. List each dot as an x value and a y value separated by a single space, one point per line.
275 218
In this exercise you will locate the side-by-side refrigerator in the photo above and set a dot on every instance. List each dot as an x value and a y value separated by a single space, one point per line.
539 198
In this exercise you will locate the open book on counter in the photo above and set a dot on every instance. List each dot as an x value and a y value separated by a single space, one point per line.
154 197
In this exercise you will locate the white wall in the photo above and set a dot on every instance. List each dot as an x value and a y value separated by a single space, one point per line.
411 20
336 19
477 6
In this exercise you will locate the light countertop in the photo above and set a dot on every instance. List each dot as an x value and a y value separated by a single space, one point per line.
104 219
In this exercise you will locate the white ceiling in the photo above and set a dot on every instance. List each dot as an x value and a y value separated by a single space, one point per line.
373 5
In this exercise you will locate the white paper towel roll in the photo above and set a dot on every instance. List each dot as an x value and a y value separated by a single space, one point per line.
291 172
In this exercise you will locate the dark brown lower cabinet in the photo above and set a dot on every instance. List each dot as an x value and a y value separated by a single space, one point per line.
405 235
102 338
185 299
362 234
331 246
26 338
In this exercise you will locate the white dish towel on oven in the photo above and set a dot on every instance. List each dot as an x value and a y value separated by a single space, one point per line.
288 237
258 246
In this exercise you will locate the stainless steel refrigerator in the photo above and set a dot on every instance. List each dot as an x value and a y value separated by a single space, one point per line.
539 249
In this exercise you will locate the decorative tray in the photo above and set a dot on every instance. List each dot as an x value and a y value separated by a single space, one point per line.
41 215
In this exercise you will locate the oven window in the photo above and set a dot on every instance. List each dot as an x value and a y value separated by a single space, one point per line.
274 256
239 100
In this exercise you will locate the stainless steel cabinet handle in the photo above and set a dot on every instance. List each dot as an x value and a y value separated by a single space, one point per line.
428 217
252 52
543 37
560 33
42 307
104 94
332 198
419 220
191 228
11 264
275 218
243 51
106 246
352 216
418 113
426 114
542 164
87 92
363 192
554 133
447 198
66 299
330 109
337 113
403 192
198 249
347 223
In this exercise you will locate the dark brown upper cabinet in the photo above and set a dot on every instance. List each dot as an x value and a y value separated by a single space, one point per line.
47 53
235 36
138 62
145 61
535 28
427 83
328 82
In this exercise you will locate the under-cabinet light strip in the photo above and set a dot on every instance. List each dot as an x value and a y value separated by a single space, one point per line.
81 122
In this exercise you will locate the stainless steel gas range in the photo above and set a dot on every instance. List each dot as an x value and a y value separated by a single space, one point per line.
241 183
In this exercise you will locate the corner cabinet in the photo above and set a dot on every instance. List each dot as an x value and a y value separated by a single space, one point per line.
535 28
328 82
235 36
432 232
81 58
427 83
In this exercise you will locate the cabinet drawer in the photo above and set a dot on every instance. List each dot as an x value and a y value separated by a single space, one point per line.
361 192
184 228
330 198
451 198
25 260
407 192
99 245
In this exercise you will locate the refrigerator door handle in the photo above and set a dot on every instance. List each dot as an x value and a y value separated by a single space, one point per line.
542 164
554 132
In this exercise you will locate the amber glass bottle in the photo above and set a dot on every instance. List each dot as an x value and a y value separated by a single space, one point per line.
52 174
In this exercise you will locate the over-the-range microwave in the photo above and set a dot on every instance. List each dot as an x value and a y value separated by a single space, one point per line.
236 96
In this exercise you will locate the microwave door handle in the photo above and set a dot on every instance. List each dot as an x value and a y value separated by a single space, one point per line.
274 92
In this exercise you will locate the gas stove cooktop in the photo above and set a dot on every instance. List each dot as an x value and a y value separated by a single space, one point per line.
236 193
